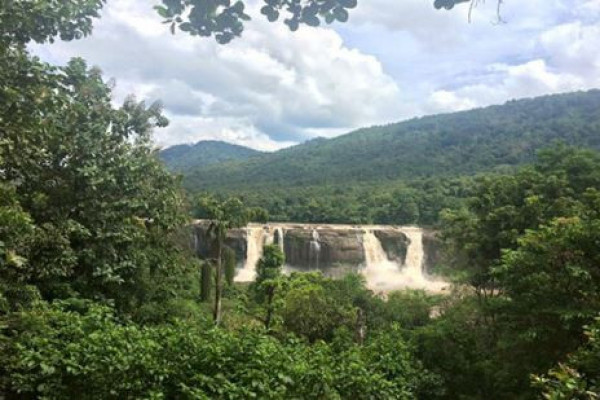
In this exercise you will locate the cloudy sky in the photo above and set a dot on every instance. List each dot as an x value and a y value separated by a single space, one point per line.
393 60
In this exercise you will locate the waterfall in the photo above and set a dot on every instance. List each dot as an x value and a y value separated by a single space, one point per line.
414 254
335 250
269 237
374 254
314 250
379 271
385 275
196 242
254 248
278 238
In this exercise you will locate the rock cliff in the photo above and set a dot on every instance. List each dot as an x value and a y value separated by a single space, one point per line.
384 254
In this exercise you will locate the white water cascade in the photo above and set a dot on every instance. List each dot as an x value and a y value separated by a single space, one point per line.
379 271
383 275
314 250
254 248
414 255
336 250
269 238
278 238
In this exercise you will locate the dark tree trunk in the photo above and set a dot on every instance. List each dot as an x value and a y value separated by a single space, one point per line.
205 281
218 283
361 327
268 318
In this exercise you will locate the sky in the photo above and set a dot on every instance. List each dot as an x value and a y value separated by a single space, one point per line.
393 60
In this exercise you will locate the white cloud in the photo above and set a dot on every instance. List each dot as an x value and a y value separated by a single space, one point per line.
587 10
574 47
392 60
443 101
569 61
276 85
190 129
531 79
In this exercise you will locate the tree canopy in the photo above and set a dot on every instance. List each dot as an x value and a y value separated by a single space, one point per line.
225 19
526 244
89 209
31 20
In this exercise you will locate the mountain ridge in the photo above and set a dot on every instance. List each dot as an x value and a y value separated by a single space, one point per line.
451 144
183 157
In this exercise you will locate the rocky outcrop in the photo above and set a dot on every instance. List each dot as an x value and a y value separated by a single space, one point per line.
389 257
323 248
202 242
236 240
334 249
432 249
394 243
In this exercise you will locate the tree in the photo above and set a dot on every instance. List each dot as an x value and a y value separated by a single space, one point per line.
207 273
405 210
58 353
460 347
578 377
527 244
87 208
101 207
500 209
206 277
221 216
16 233
258 214
30 20
448 4
310 309
268 272
551 289
226 20
229 263
222 19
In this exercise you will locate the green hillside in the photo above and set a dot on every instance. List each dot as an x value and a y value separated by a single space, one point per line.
184 157
461 143
406 172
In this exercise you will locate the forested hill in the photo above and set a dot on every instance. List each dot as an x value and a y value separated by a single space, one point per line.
184 157
441 145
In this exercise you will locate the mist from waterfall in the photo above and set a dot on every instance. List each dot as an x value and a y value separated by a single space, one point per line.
384 275
255 243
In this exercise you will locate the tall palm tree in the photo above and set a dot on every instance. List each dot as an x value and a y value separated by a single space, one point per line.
221 216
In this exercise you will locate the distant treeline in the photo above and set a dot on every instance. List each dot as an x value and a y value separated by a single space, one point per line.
415 202
405 172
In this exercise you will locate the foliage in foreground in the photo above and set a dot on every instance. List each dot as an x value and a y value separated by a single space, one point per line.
527 244
86 208
578 377
58 353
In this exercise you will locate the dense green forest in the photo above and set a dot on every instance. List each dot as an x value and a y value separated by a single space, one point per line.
447 145
184 157
101 296
406 172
